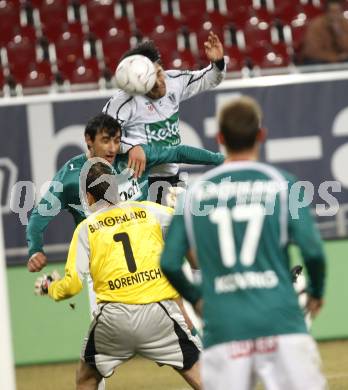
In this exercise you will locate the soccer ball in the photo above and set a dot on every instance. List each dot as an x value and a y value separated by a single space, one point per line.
136 75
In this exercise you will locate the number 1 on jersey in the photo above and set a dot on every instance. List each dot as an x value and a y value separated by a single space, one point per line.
128 252
254 215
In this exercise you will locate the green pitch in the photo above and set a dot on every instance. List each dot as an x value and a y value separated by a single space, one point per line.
139 374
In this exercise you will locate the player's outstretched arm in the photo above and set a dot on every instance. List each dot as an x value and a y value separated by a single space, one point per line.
156 155
76 267
48 208
190 83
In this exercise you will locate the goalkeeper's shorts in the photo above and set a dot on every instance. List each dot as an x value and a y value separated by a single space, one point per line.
156 331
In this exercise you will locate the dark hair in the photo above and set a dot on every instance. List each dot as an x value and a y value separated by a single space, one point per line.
98 190
102 123
147 49
239 123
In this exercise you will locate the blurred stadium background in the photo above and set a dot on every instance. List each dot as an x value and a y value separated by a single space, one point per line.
57 59
62 44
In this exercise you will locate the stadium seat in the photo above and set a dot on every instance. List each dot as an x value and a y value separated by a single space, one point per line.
183 59
102 17
27 31
169 22
218 22
100 30
239 11
54 20
53 31
53 10
257 53
69 48
114 45
36 3
192 7
24 31
146 24
142 8
39 75
20 53
84 71
236 58
297 34
263 15
257 33
149 24
286 12
231 5
311 11
277 57
193 22
240 16
9 19
166 41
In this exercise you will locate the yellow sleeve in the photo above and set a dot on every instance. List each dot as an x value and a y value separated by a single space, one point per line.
76 267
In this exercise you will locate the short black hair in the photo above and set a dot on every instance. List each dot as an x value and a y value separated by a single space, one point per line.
239 123
98 190
147 49
102 122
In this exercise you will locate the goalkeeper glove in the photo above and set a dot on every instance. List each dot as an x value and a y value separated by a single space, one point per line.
172 196
42 283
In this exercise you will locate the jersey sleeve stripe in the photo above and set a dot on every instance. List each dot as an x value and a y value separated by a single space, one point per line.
178 75
123 104
107 107
193 80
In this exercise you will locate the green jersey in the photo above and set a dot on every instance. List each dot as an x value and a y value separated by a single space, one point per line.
64 191
239 220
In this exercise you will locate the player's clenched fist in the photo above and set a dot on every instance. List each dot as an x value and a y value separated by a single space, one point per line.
43 282
36 262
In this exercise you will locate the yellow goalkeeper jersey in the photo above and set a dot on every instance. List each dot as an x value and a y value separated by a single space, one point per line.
120 247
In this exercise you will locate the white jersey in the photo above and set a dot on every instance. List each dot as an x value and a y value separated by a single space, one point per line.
144 120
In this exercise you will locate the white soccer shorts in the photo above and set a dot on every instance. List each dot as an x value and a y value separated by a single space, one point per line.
286 362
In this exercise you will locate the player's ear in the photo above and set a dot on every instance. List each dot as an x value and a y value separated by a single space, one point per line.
220 138
90 199
262 135
88 140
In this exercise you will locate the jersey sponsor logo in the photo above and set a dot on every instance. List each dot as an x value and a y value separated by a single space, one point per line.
245 280
110 221
164 132
240 349
150 106
137 278
129 190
